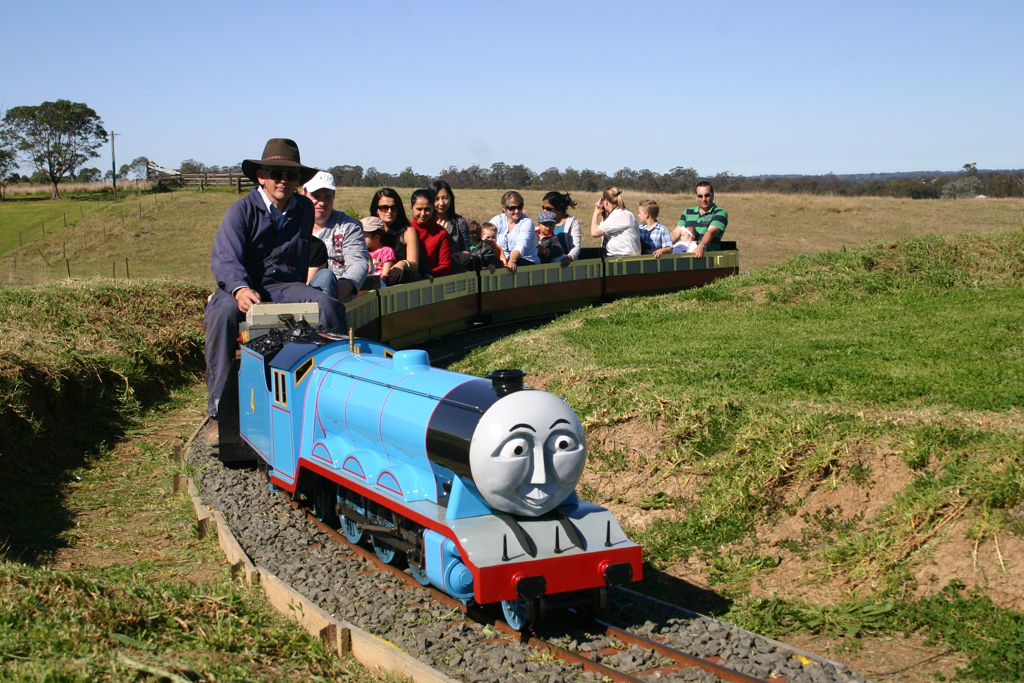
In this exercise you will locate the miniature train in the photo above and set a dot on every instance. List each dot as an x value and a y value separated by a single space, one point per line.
470 481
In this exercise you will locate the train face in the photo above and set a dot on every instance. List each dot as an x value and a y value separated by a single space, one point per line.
471 480
528 453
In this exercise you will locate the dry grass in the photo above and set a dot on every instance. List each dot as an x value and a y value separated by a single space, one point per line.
99 186
174 236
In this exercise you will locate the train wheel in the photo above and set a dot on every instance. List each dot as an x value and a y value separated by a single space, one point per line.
351 531
520 614
419 574
323 503
386 552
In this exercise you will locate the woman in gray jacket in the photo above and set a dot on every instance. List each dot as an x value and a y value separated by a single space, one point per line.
454 224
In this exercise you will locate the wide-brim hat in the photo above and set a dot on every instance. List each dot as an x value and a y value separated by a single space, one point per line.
279 153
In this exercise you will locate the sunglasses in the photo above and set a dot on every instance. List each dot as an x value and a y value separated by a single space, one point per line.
277 174
514 207
386 207
704 196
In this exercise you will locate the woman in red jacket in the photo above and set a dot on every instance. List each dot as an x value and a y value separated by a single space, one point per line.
436 256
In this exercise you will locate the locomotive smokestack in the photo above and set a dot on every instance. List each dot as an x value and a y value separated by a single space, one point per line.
506 381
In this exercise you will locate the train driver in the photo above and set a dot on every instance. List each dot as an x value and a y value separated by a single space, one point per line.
261 254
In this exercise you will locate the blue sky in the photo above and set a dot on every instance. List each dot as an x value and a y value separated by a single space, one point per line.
744 87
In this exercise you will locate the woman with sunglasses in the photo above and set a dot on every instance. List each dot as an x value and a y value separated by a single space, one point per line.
568 228
616 224
454 224
387 205
517 236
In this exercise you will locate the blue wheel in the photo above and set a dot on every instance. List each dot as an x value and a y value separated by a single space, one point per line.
385 551
419 574
351 531
519 614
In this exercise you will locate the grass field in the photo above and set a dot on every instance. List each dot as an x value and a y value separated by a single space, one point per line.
174 234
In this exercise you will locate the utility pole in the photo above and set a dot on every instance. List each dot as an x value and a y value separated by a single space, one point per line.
113 163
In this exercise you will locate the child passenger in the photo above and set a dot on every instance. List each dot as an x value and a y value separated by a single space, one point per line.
381 255
653 235
480 251
489 234
548 246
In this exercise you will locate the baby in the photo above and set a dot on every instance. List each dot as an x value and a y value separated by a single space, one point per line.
381 255
684 241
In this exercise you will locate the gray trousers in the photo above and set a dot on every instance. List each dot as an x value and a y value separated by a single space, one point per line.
221 325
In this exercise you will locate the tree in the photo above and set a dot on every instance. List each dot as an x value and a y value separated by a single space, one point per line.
139 168
88 175
347 176
55 137
8 163
1004 185
192 166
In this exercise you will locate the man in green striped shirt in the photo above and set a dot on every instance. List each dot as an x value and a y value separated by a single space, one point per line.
704 223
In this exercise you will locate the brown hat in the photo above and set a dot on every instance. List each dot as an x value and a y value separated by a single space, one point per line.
281 153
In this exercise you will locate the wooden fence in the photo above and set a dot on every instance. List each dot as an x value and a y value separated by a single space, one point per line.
202 180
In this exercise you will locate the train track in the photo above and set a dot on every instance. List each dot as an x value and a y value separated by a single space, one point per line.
682 659
473 644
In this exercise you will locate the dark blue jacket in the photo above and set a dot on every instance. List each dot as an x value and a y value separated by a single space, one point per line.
249 252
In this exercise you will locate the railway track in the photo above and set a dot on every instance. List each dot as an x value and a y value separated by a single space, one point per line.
473 644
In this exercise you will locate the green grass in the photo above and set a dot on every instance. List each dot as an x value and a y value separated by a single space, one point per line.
22 219
146 597
79 361
64 626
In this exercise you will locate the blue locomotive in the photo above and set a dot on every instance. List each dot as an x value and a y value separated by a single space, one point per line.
470 481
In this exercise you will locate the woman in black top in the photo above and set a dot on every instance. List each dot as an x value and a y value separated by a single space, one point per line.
387 205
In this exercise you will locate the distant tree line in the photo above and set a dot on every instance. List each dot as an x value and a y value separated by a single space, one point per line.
58 138
968 183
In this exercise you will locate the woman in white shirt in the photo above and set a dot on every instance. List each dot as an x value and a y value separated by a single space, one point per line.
516 235
613 222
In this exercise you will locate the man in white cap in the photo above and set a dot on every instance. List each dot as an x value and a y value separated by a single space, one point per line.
347 258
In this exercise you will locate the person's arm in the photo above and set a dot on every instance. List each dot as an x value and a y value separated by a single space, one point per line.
226 259
595 222
526 241
357 259
460 250
412 248
411 262
313 270
707 239
229 246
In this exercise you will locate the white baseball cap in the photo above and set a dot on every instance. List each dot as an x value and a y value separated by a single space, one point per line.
321 180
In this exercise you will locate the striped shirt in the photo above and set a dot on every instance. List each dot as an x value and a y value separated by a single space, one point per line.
716 217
